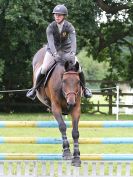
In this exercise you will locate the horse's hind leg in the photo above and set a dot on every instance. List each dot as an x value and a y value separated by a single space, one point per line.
62 127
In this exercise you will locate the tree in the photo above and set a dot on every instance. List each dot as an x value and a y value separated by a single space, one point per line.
93 69
21 23
22 33
113 41
105 39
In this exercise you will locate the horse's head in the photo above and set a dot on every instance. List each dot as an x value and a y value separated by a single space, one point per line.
71 83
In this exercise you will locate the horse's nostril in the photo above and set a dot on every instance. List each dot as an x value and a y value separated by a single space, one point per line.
70 105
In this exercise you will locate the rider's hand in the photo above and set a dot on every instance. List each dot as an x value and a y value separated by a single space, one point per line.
72 55
56 57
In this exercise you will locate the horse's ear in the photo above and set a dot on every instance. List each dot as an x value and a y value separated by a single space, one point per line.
66 65
77 66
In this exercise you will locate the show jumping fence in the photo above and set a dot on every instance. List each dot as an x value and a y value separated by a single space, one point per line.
53 165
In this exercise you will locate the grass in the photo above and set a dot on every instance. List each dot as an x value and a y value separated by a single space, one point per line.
49 116
52 132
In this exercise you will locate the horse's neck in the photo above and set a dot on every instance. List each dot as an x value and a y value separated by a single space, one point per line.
56 77
59 70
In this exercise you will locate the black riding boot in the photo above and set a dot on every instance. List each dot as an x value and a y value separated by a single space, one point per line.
87 92
32 92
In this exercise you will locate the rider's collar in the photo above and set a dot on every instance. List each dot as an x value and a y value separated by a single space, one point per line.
60 26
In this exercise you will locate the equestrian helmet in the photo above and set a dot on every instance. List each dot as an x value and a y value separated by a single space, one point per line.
60 9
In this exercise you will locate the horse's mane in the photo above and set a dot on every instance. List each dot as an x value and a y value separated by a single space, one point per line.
68 63
71 66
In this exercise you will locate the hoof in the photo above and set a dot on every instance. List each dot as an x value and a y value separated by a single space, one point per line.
67 155
76 162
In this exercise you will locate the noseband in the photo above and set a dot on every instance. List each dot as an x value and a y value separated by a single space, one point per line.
71 92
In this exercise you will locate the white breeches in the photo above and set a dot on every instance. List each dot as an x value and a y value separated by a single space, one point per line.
49 61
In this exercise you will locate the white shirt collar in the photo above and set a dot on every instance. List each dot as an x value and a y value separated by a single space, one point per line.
60 26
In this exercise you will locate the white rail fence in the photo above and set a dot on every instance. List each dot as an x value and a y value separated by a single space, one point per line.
42 168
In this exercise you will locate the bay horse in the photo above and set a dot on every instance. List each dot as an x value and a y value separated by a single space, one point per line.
62 93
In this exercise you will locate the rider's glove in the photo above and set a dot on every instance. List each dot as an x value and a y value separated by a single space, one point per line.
56 57
72 55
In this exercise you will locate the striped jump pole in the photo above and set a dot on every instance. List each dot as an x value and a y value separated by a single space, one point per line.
43 165
54 124
28 156
43 140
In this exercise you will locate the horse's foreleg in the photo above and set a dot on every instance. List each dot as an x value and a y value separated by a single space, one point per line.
66 151
75 134
62 127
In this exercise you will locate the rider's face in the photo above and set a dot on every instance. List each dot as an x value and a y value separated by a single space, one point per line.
59 18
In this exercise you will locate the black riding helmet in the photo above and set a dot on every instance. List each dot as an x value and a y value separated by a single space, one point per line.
60 9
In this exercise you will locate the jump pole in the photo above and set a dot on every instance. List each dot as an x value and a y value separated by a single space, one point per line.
54 124
32 156
116 163
43 140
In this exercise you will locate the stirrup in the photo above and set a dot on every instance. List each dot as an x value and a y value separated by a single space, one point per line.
31 94
87 93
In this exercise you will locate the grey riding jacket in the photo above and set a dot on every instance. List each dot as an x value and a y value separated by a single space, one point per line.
64 41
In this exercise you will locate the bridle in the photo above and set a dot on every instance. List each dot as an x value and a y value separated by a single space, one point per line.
66 94
69 93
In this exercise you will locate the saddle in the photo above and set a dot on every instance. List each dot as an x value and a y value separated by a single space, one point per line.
45 79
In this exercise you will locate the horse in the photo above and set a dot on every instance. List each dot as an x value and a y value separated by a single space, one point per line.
62 93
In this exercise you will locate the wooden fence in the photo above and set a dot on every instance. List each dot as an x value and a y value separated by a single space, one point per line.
111 103
23 104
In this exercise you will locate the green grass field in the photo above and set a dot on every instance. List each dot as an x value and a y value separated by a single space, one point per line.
49 116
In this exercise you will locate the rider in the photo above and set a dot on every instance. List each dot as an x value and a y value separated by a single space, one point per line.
61 38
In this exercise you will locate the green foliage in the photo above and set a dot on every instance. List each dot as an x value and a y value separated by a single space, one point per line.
111 41
22 33
86 106
93 69
82 15
1 69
